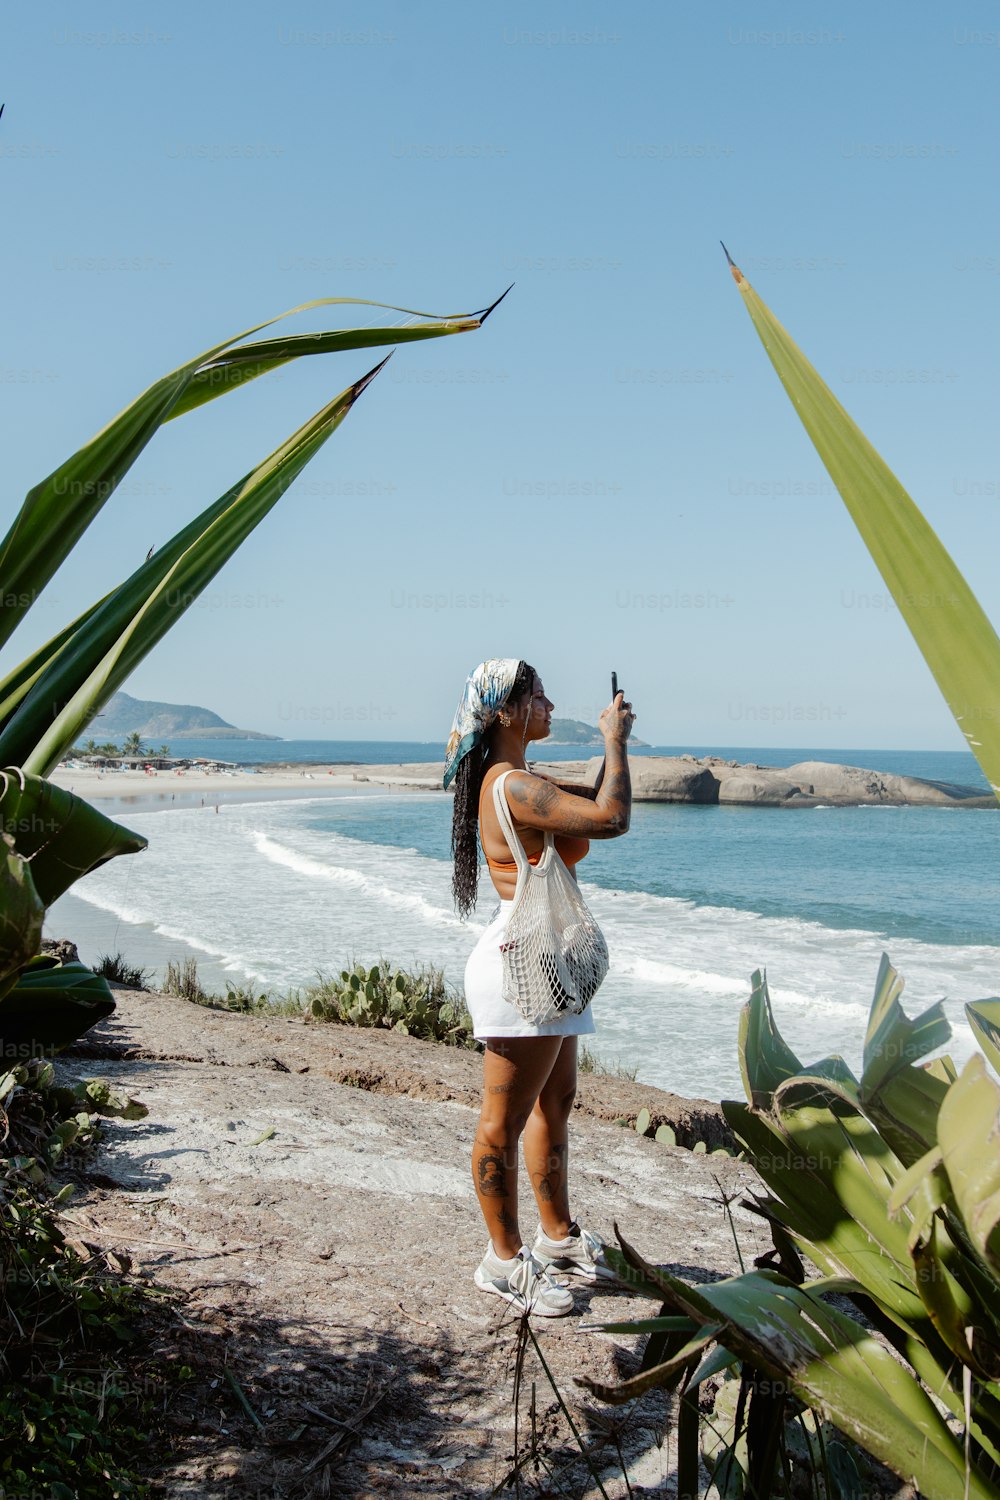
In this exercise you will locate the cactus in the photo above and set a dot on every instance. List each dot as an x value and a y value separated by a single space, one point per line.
379 995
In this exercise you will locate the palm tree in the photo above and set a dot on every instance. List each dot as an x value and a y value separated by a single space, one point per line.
133 744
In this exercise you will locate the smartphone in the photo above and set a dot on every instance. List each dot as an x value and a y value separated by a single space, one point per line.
614 685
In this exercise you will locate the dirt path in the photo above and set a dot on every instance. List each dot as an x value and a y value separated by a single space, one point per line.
307 1188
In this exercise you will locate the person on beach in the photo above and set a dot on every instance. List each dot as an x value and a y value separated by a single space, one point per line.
529 1071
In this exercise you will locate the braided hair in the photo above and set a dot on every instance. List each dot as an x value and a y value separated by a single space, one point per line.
465 812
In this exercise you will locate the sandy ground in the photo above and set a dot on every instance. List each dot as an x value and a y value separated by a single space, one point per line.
152 789
306 1189
155 788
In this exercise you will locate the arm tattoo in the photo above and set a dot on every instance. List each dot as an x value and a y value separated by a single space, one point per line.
543 802
542 798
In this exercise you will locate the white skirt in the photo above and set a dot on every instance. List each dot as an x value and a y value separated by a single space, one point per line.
491 1014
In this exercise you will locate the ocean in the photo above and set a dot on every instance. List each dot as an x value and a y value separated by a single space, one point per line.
693 900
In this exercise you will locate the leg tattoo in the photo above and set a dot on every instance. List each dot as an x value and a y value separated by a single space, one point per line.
492 1176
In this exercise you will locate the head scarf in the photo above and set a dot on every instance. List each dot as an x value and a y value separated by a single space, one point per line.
486 691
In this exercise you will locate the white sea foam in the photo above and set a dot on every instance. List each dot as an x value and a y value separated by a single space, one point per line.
259 893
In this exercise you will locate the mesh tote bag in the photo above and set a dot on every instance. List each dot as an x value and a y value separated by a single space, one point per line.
554 954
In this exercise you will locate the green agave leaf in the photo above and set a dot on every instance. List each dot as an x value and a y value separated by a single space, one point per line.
114 639
660 1375
19 682
50 1006
63 836
922 1179
644 1325
239 366
57 512
905 1110
831 1364
713 1364
22 912
969 1137
953 1312
766 1060
947 622
893 1041
941 1068
949 1282
845 1480
830 1175
627 1273
984 1018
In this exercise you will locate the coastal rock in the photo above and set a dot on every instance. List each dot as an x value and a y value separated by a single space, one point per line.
666 779
853 784
811 783
757 787
61 949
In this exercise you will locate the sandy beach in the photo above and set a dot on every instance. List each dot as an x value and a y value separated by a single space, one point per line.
154 789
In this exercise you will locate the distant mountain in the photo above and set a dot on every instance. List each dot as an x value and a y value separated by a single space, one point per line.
575 732
123 715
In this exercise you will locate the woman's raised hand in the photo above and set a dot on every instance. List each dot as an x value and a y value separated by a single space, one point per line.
615 722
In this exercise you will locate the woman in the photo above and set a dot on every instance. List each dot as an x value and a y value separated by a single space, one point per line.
529 1071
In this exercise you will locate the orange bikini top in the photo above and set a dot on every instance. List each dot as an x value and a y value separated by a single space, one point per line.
569 848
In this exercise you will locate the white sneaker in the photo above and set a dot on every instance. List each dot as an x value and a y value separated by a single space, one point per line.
523 1282
581 1254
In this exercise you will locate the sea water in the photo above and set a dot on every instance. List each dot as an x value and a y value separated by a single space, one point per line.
692 900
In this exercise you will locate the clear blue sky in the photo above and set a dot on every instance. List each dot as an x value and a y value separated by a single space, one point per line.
609 474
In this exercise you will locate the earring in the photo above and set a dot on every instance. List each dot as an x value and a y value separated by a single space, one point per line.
504 719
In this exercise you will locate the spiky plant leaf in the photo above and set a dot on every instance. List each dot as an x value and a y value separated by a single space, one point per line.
955 636
63 836
57 511
984 1018
111 642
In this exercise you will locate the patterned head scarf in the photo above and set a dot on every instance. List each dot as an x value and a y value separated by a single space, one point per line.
486 691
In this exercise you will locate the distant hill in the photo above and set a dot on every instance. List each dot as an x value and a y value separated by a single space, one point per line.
575 732
123 715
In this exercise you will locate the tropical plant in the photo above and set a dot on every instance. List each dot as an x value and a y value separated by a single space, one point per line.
947 622
889 1185
54 694
50 839
62 686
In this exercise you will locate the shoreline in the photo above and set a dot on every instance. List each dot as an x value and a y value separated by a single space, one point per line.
701 781
149 791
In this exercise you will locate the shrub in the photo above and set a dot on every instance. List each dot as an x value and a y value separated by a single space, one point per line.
415 1003
589 1062
75 1401
114 966
182 979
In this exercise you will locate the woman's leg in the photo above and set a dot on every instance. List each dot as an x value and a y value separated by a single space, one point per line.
515 1070
546 1142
